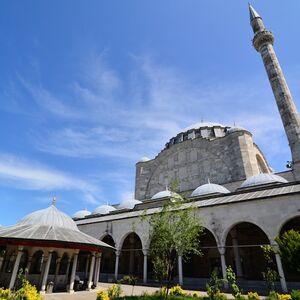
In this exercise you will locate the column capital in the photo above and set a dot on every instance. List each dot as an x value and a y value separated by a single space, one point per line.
222 250
118 252
145 252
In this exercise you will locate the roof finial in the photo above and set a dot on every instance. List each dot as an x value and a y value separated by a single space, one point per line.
208 181
253 13
54 201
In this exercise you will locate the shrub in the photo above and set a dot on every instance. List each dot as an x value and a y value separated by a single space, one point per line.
284 297
272 296
101 295
254 296
114 291
177 291
195 294
213 287
27 292
295 294
240 297
231 279
5 293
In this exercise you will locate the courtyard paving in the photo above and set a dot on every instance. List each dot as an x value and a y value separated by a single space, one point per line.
91 295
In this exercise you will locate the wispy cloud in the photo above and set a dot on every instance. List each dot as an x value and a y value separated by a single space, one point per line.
29 175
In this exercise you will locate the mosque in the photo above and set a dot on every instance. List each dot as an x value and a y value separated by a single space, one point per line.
220 170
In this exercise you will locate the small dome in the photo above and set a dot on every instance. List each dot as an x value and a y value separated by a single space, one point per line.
263 178
209 188
50 216
81 214
129 204
236 128
166 194
103 210
144 159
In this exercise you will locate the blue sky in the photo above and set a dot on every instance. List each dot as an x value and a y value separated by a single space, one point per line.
89 87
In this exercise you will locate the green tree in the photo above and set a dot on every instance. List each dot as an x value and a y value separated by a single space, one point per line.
174 231
289 250
270 275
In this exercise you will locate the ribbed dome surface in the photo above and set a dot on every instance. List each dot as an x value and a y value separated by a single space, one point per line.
81 214
209 188
144 159
129 204
263 178
49 216
202 124
166 194
103 209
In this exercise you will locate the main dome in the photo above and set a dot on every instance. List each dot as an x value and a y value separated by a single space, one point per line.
263 178
209 188
207 130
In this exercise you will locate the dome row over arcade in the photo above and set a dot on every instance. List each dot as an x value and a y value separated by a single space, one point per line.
202 190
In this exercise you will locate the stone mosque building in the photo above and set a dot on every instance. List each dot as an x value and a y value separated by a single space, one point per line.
220 170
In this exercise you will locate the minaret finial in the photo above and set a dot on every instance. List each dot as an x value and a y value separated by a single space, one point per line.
54 201
253 13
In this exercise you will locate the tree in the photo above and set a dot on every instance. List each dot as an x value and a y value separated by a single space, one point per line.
174 231
289 250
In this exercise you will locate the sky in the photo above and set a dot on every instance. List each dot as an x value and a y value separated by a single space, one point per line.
87 88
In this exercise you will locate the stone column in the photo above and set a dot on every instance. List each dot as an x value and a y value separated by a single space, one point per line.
145 252
117 264
92 265
68 268
46 272
28 266
72 279
180 275
97 271
16 267
236 253
57 267
1 262
87 266
223 263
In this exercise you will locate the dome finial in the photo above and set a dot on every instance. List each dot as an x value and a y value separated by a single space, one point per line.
53 201
208 181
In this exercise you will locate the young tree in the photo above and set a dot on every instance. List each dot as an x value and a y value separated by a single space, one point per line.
289 250
173 231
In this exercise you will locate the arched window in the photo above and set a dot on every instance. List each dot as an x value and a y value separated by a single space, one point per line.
37 262
63 264
53 263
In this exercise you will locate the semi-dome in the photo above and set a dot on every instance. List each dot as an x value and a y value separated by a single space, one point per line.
167 194
144 159
81 214
103 209
263 178
49 216
209 188
129 204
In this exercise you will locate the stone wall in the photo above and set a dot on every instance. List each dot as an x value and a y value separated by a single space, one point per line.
222 160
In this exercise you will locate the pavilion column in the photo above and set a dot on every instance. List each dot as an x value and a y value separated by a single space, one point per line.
223 264
74 266
145 271
1 262
97 270
68 268
57 267
46 272
280 268
92 265
28 266
16 267
236 254
180 275
87 266
117 264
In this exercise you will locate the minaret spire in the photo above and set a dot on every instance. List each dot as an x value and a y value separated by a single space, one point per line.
263 43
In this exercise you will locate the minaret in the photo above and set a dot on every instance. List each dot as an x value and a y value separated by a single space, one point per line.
263 43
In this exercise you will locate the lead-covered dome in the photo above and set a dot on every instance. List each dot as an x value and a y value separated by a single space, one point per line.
103 209
81 214
49 216
167 194
209 188
129 204
144 159
263 178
